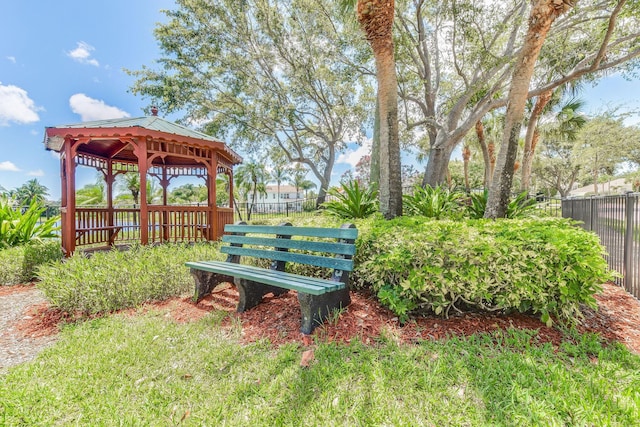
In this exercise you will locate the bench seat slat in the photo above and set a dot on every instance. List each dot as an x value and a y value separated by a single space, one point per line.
231 268
327 247
335 233
281 279
318 261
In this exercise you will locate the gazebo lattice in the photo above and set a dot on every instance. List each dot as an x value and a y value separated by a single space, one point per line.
152 147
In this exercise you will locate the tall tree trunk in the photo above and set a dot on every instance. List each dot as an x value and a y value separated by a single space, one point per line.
376 19
531 139
543 13
438 163
485 154
374 167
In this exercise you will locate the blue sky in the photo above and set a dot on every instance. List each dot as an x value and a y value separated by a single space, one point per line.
63 62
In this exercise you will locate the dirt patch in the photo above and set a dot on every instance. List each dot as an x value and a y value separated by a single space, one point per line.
278 319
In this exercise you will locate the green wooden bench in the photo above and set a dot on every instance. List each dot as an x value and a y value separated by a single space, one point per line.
317 297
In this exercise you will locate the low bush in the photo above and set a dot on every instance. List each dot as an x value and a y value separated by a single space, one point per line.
545 266
112 280
18 264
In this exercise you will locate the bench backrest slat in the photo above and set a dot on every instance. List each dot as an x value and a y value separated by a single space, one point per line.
315 246
319 261
335 233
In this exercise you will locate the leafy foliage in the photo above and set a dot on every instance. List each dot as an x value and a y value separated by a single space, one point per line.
519 207
284 83
546 266
30 191
117 279
432 202
352 200
19 264
18 228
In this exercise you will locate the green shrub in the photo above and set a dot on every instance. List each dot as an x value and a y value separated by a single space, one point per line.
112 280
11 265
18 228
432 202
18 264
352 201
545 266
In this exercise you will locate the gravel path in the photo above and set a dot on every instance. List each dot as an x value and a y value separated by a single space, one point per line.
15 347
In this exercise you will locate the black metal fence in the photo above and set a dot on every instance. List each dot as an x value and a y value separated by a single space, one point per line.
245 211
616 220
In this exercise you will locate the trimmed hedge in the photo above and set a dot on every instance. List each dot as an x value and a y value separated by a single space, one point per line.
18 264
545 266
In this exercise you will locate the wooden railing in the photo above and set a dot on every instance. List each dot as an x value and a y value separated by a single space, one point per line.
95 226
225 216
178 223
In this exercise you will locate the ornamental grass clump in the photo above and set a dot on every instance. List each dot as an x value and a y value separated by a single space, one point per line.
113 280
544 266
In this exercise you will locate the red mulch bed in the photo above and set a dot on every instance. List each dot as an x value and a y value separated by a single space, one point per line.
278 319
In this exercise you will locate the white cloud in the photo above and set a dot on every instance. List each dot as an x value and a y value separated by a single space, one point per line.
55 155
352 157
16 106
38 172
11 59
94 109
82 54
8 166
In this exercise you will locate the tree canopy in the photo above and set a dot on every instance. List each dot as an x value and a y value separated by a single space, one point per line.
285 75
456 61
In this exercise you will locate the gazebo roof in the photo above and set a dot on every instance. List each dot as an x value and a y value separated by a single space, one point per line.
149 126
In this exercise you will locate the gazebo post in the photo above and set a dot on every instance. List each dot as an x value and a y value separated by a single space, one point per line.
109 178
69 209
212 172
140 150
230 188
164 183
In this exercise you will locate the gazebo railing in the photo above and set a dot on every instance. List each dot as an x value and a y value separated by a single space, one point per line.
95 226
178 223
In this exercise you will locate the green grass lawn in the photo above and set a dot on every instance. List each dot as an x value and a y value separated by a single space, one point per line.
149 370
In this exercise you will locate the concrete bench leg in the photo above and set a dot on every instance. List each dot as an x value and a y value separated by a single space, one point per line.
316 308
206 281
251 293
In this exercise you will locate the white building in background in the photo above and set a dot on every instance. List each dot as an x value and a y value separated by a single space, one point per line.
287 194
616 186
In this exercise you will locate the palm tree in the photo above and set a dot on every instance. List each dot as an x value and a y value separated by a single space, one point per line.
307 185
30 191
250 178
297 178
543 14
131 183
376 20
279 174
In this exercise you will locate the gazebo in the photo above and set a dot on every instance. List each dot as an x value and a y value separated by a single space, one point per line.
152 148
